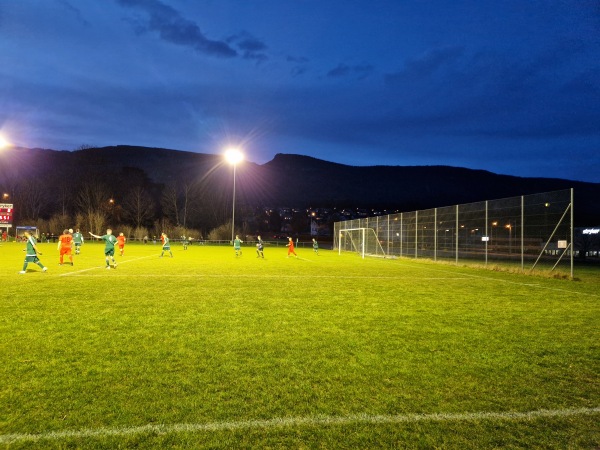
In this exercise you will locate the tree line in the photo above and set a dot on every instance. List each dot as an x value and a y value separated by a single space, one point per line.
128 201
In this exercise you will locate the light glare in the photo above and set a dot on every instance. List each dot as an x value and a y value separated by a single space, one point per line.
233 156
3 142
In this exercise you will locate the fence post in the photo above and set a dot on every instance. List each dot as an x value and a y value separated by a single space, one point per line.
456 233
487 236
572 243
416 234
401 232
388 235
435 234
522 233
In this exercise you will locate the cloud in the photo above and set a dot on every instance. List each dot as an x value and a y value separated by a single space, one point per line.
72 9
489 93
249 46
175 29
300 64
427 66
360 71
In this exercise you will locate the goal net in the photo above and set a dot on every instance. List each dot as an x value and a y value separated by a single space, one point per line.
360 240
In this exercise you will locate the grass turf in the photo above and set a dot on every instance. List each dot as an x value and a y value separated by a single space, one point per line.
328 351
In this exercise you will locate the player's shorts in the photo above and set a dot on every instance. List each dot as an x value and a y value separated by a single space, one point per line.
167 247
65 251
32 259
110 252
77 244
122 246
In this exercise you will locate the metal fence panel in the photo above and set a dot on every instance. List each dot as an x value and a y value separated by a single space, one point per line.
529 231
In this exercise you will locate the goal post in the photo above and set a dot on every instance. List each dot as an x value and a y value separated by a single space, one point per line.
363 241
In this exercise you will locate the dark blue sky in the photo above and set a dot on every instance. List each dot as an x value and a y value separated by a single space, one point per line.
508 86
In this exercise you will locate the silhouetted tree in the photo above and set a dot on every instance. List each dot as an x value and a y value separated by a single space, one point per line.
138 207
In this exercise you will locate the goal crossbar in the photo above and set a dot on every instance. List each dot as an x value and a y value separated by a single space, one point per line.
363 241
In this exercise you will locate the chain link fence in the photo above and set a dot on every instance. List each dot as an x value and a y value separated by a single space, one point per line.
530 231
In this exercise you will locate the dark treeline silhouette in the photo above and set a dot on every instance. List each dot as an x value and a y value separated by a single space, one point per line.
151 189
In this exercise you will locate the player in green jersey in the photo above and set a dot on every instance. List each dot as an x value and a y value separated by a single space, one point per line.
78 241
166 247
109 249
31 253
315 246
237 245
259 248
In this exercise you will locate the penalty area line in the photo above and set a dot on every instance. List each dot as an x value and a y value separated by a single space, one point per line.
297 422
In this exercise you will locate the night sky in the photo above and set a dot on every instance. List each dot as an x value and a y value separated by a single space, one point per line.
509 86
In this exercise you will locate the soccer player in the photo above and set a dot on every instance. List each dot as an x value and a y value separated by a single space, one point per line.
185 241
78 241
166 245
315 246
31 253
109 248
65 245
259 248
290 247
121 241
237 245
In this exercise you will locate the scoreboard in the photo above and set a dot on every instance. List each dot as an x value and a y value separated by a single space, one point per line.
6 215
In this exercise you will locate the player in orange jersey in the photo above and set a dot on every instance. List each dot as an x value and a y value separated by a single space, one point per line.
121 242
290 247
65 244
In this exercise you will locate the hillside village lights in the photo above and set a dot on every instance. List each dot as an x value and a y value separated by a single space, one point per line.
233 157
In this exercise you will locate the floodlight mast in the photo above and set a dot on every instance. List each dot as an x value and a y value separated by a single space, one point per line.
233 157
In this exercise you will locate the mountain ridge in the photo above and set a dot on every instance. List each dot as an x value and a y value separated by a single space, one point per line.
293 180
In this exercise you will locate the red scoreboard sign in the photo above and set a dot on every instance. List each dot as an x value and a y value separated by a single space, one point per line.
6 215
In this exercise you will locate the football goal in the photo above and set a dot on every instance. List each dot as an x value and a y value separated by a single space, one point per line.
360 240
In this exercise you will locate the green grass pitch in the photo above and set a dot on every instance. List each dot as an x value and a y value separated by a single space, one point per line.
206 350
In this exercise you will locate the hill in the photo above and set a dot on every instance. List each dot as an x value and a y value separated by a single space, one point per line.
288 180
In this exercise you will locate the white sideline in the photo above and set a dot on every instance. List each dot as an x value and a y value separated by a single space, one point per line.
295 422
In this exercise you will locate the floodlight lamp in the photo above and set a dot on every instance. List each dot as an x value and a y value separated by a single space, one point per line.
3 142
234 156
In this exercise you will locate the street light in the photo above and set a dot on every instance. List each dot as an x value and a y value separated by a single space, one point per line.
509 228
233 157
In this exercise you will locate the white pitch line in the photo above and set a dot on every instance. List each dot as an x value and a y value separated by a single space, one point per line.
102 267
304 259
282 422
263 276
